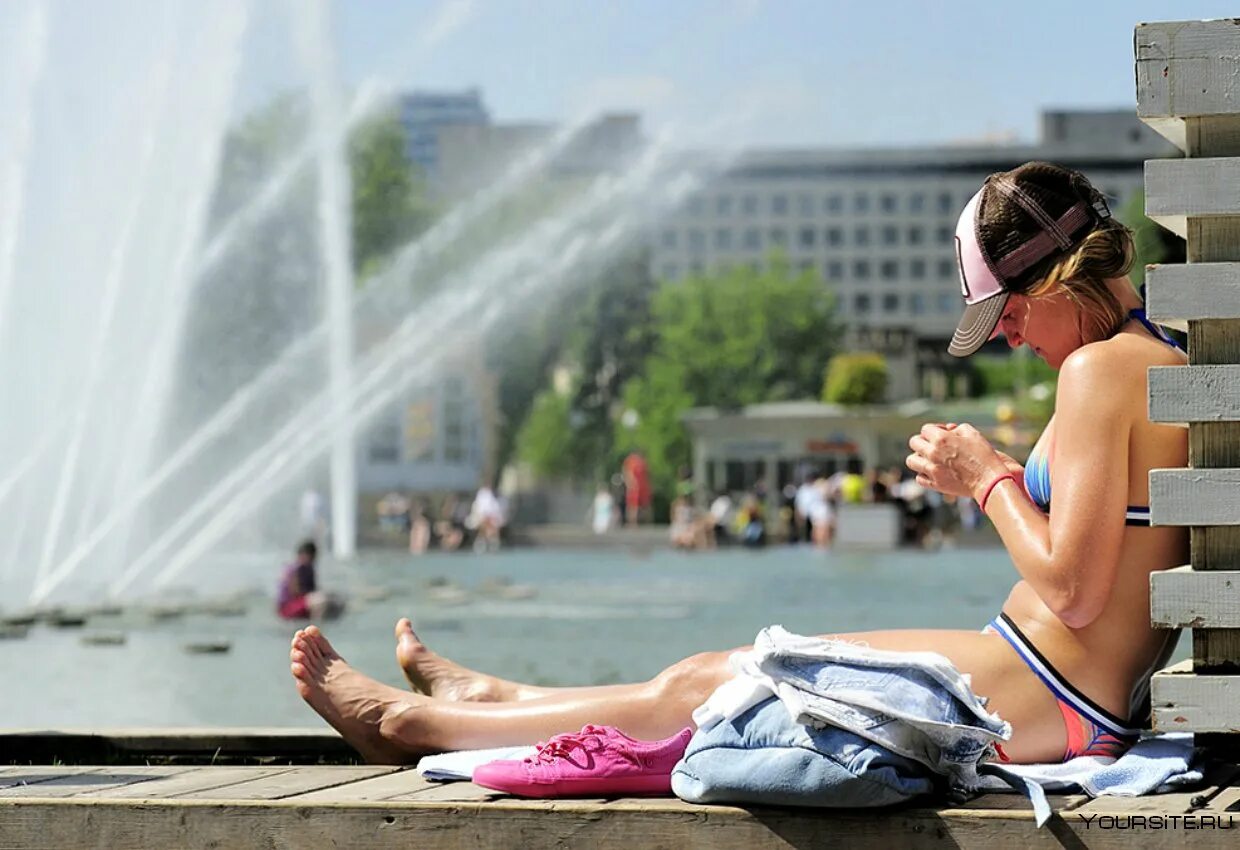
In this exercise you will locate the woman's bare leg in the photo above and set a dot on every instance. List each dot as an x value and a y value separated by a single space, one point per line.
388 725
430 673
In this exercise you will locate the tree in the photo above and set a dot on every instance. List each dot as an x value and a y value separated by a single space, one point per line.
726 339
1152 242
390 203
854 379
601 335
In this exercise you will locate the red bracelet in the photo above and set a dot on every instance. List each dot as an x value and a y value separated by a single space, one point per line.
981 503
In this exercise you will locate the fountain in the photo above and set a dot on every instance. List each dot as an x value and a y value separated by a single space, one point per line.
161 415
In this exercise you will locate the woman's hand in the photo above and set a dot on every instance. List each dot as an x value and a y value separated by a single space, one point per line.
956 460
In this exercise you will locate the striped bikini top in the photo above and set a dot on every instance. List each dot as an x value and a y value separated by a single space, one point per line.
1038 467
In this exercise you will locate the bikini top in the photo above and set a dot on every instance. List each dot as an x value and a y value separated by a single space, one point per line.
1038 467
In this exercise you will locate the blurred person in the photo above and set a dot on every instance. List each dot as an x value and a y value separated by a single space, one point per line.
822 515
487 517
602 510
393 512
450 526
751 522
970 517
297 594
802 503
420 529
722 513
637 490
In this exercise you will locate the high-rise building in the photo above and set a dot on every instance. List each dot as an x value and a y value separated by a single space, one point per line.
424 114
878 225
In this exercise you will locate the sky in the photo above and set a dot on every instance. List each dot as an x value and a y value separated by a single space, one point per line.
787 72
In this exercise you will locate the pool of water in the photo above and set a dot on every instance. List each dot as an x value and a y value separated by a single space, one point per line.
594 617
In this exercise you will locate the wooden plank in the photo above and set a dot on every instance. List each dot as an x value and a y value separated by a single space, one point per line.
1227 801
13 777
193 781
1194 393
450 792
1192 702
1183 597
499 826
1184 291
1187 68
1216 650
1195 496
1177 190
400 782
85 780
300 780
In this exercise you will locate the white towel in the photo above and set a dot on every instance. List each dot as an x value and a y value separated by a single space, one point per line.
459 765
1154 765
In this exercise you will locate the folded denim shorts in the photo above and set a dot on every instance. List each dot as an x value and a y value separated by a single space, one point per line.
764 756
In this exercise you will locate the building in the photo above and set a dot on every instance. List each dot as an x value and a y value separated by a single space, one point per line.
776 443
439 437
423 114
879 225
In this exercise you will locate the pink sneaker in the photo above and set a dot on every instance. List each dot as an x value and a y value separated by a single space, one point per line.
597 761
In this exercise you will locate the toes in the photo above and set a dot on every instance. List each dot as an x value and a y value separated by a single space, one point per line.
308 647
298 657
298 670
404 630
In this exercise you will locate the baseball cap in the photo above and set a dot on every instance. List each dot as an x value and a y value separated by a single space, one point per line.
985 280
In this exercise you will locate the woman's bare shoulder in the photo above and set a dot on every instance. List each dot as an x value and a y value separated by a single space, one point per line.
1123 356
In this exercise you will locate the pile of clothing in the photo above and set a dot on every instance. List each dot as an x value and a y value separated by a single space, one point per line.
824 723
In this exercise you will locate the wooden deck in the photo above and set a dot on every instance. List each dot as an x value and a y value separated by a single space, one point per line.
270 805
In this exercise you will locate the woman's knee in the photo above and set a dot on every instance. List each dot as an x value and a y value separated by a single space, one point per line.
696 676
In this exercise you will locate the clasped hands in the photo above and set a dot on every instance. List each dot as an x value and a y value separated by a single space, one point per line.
956 460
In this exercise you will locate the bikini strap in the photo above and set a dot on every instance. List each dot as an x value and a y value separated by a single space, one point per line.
1138 313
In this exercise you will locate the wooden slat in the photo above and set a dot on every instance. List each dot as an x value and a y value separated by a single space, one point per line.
1185 69
300 780
450 792
1195 496
85 780
1183 291
623 825
193 781
395 784
1182 597
1194 393
28 777
1177 190
1183 701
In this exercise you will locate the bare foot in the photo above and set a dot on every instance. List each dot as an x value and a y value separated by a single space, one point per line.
354 704
436 676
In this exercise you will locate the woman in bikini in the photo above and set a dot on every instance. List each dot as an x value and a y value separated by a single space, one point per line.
1067 661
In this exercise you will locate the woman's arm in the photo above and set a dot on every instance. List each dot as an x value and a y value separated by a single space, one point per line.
1070 559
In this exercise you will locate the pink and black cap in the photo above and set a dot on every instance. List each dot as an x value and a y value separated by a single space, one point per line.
986 281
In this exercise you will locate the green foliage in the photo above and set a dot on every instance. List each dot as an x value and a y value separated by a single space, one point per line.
854 379
1007 374
728 339
390 204
601 332
546 436
1152 243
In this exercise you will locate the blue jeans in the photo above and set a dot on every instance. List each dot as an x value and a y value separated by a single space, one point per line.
845 725
765 757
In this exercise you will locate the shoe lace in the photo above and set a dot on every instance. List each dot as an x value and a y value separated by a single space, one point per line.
589 740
